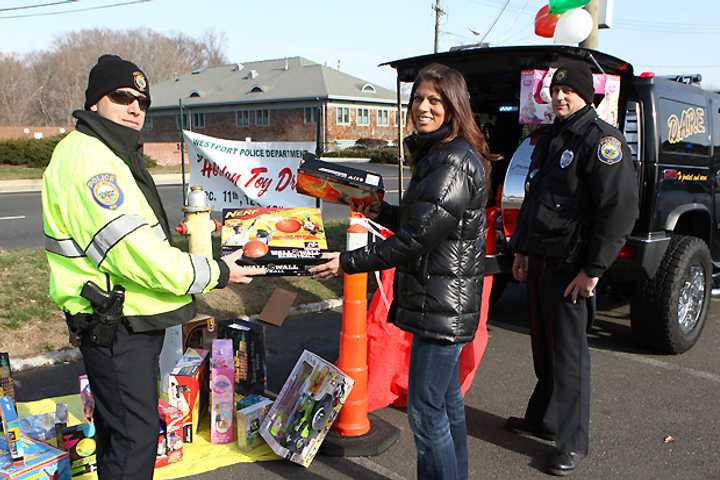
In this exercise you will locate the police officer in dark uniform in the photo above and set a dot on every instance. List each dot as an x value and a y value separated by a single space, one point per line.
581 203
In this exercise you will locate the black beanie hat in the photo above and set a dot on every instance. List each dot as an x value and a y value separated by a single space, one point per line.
110 73
577 76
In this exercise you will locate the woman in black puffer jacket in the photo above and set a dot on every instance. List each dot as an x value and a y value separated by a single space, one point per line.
438 250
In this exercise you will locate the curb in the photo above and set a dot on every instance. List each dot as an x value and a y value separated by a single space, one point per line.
67 355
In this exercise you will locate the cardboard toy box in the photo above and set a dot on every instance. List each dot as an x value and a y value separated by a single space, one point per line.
338 183
222 392
79 442
170 441
535 105
6 381
41 461
306 407
248 342
286 241
250 412
187 389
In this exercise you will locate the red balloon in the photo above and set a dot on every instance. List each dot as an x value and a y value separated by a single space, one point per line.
545 22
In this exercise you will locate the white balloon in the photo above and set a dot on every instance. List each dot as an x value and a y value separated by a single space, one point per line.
574 26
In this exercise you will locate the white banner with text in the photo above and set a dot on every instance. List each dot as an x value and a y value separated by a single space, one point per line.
247 174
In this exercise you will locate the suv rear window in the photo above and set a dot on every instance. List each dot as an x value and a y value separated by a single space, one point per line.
683 128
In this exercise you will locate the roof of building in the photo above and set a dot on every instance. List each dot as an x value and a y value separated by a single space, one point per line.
282 79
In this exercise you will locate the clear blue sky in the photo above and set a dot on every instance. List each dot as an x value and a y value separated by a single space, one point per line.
665 36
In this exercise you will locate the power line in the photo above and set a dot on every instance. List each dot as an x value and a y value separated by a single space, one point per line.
26 7
507 2
99 7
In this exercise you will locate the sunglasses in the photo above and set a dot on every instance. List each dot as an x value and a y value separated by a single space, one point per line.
122 97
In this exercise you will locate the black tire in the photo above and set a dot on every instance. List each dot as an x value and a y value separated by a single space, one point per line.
684 278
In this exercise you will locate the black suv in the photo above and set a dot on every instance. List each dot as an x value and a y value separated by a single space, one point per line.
673 129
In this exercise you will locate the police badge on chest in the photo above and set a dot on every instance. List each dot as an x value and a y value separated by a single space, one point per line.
566 158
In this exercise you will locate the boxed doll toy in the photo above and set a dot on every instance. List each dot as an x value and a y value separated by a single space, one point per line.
222 392
187 389
306 407
251 411
535 107
41 461
286 241
170 440
338 183
248 343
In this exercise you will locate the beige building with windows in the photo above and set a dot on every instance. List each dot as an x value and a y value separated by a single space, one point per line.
270 100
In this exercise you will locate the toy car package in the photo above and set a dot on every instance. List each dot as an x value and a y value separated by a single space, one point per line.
306 408
286 241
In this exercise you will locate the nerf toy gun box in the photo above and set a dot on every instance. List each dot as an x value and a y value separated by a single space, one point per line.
186 389
338 183
170 440
251 411
248 342
41 461
221 392
286 241
535 107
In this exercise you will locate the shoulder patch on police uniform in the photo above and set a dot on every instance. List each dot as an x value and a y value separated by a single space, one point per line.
105 190
609 150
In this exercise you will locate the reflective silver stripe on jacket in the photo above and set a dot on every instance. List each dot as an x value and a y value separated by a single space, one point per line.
157 230
201 271
108 236
65 247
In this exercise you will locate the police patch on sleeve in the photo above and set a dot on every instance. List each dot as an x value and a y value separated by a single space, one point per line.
609 150
105 190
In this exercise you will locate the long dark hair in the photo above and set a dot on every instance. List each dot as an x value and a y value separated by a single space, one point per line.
456 98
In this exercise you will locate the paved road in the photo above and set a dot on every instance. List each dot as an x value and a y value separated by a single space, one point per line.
638 399
21 220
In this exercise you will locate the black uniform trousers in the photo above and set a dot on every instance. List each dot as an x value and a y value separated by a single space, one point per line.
560 403
123 379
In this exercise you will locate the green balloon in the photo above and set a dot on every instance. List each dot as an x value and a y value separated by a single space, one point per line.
562 6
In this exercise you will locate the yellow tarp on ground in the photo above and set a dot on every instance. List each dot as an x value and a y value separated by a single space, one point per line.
198 457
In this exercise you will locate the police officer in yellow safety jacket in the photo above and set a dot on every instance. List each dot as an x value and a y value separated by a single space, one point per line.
112 270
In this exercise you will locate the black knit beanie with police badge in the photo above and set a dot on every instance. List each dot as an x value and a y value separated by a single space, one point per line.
110 73
576 75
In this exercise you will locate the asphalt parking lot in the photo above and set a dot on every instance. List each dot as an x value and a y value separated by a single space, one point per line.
639 399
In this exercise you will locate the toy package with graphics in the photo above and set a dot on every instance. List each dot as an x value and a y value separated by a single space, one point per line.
306 408
187 389
250 412
286 241
79 442
222 392
7 388
41 461
248 342
170 440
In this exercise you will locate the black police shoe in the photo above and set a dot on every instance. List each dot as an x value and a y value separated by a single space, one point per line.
564 463
522 427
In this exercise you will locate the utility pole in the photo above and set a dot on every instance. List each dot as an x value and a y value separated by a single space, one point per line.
438 13
592 40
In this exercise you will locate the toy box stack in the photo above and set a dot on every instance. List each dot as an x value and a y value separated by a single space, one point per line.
535 105
338 183
186 390
40 461
251 411
307 406
221 392
248 343
286 241
170 441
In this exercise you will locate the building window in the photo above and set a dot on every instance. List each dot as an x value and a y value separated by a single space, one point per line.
181 125
403 116
310 114
198 120
363 116
262 118
242 118
343 116
148 125
383 118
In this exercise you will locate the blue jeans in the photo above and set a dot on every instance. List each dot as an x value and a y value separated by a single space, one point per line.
436 411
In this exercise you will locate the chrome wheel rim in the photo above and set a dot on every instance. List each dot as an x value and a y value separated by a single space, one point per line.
692 297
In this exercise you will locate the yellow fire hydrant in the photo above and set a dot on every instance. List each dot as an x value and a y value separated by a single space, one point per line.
198 225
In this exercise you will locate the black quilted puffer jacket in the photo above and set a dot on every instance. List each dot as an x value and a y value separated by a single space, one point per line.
439 242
